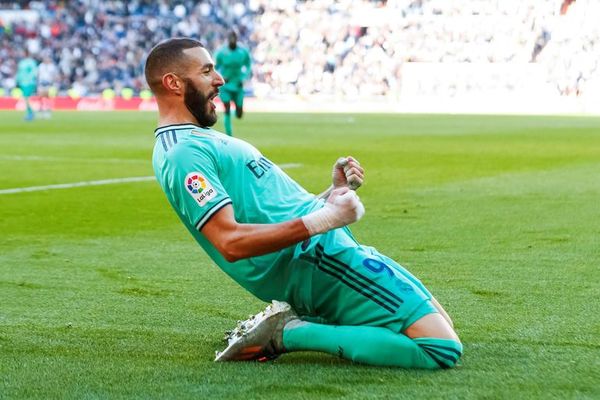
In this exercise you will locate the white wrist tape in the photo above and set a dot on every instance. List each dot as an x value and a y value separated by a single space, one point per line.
344 210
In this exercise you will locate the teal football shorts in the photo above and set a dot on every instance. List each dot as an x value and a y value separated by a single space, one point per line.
28 90
341 282
227 95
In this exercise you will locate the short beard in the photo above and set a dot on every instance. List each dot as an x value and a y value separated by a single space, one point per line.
197 104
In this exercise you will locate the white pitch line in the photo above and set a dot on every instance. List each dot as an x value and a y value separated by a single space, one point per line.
74 160
100 182
78 184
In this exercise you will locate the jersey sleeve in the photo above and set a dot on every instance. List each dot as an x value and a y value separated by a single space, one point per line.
196 189
219 60
247 66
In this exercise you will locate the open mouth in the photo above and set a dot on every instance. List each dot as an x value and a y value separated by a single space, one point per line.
211 100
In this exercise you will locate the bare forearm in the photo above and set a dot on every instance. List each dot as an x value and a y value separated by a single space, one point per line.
236 241
251 240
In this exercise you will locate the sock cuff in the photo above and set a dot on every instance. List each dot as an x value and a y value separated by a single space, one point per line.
445 352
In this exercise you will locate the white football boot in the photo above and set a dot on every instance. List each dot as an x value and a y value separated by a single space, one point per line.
260 337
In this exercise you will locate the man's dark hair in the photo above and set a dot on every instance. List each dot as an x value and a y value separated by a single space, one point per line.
167 56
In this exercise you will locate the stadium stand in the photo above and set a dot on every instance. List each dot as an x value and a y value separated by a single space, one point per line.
358 48
346 49
98 44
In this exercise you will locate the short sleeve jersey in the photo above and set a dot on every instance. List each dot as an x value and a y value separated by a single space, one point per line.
201 171
27 70
234 65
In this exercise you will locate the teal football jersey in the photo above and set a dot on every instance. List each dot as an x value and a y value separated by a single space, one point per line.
27 70
202 170
233 65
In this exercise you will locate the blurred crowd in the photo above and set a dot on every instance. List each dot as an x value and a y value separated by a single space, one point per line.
347 48
102 44
357 48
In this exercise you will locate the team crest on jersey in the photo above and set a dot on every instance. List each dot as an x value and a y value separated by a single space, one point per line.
199 188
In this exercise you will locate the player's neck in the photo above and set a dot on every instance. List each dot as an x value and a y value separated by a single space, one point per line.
170 115
176 121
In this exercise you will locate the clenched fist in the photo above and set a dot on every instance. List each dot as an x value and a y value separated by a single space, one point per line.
347 172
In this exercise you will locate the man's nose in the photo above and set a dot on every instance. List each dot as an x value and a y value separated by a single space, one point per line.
218 81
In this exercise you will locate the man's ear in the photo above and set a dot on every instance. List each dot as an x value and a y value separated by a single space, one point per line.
172 83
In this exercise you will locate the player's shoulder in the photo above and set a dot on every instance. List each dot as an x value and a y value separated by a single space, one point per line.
180 142
243 49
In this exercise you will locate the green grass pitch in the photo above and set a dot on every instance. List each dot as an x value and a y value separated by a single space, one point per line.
103 294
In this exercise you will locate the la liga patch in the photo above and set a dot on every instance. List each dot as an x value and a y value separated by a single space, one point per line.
199 188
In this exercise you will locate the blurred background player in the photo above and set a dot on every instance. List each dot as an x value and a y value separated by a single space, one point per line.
47 75
27 75
234 64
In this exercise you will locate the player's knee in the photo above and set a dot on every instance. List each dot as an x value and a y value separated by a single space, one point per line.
227 108
239 111
431 325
